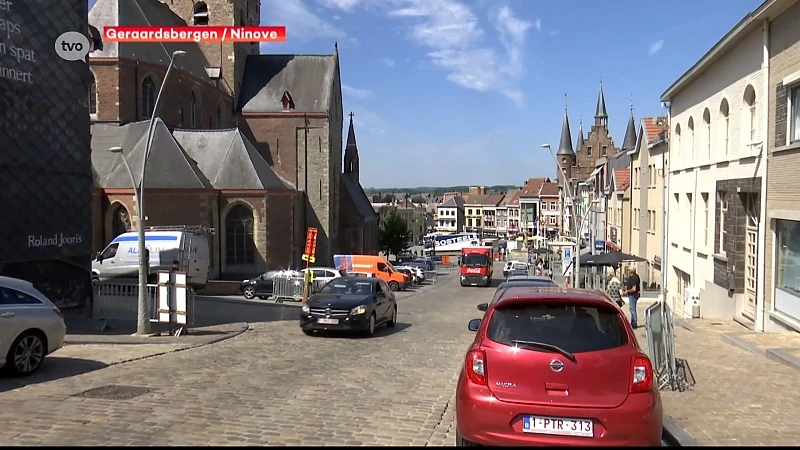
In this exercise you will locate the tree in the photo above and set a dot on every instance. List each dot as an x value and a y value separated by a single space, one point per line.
394 235
418 199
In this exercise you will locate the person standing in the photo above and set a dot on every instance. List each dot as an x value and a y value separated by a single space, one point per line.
633 289
614 289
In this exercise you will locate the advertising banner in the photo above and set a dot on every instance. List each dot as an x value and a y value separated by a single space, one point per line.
45 155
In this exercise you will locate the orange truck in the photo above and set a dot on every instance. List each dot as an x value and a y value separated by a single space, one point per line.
477 266
378 266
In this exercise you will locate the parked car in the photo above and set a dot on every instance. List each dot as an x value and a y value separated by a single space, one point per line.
556 367
260 286
325 273
31 326
354 304
412 275
514 265
416 272
516 273
429 265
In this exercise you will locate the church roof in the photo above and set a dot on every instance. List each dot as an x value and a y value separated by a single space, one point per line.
105 13
229 160
581 143
358 197
182 159
309 79
600 112
565 146
168 165
629 143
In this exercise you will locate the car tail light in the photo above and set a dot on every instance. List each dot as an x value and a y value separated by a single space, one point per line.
641 374
476 367
58 312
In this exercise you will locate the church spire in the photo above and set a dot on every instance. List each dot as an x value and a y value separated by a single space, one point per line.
629 143
565 146
601 113
579 146
351 154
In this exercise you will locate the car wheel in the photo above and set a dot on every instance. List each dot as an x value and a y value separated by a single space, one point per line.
394 286
308 332
371 326
393 320
26 353
249 292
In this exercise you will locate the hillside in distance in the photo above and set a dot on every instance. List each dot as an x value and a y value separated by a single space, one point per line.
502 188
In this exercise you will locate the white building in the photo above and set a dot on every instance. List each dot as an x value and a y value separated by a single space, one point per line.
450 215
718 117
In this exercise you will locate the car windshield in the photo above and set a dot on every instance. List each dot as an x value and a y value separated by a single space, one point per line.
348 286
575 329
475 260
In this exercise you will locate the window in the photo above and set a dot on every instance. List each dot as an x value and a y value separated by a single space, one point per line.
552 220
722 205
705 219
193 116
239 238
605 150
110 251
678 139
13 297
576 329
691 136
120 221
92 94
589 150
724 111
794 120
707 123
286 101
787 269
749 113
200 15
553 206
148 97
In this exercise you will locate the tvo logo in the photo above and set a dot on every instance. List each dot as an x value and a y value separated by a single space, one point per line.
72 46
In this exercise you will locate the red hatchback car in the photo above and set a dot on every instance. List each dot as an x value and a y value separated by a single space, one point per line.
556 367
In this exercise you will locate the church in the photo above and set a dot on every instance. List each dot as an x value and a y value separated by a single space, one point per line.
250 145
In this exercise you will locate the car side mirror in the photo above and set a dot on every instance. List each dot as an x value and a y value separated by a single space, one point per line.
474 324
100 257
483 307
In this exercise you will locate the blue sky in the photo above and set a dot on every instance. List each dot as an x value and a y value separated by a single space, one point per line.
449 92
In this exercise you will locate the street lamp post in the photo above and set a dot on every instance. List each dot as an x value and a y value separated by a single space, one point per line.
143 317
575 230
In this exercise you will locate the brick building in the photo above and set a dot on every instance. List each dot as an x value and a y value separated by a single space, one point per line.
213 178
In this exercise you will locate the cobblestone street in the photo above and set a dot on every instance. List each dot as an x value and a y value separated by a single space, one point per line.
271 385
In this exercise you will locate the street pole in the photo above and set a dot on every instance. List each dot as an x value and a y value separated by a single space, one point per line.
573 224
143 319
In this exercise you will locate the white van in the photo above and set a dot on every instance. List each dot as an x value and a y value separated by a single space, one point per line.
179 249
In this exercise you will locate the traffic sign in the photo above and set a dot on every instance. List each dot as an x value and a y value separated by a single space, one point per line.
567 252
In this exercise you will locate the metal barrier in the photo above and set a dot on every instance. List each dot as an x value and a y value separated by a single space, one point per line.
119 301
290 287
431 275
670 371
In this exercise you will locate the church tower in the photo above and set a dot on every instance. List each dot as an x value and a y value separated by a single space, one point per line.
351 155
629 143
565 154
228 57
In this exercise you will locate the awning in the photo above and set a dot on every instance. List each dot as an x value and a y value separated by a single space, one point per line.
596 171
612 246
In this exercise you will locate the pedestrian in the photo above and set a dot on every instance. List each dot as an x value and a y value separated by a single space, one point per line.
633 289
550 272
614 289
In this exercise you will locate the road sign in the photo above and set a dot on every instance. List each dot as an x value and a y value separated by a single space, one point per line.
568 253
311 245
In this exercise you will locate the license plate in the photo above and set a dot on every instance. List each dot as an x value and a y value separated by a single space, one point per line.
560 426
328 321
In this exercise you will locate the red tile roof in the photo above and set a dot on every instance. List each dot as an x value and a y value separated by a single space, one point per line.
622 178
549 190
654 126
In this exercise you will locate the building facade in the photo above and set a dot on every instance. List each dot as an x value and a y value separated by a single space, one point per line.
550 212
649 166
450 217
782 262
718 117
618 211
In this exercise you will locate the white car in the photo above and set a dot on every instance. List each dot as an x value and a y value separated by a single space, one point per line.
419 273
514 265
324 274
31 326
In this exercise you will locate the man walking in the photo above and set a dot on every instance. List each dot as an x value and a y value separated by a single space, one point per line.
633 289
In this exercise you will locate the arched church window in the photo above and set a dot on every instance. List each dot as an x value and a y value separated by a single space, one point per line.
200 14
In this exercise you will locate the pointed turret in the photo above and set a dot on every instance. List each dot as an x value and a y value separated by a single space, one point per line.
565 146
601 112
579 146
629 143
351 154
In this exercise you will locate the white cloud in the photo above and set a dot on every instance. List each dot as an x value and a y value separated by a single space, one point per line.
300 22
357 93
456 42
538 24
388 62
656 47
344 5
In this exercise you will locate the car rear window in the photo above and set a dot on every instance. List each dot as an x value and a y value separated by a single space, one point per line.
576 329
